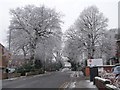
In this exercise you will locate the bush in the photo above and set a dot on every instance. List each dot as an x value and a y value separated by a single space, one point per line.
38 64
35 72
41 71
25 68
30 69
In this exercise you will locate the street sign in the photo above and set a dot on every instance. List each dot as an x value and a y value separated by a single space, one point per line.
94 62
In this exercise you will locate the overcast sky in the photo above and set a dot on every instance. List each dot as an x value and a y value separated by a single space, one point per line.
69 8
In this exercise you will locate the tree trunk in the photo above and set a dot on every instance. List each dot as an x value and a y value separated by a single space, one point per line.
33 44
92 50
24 52
32 55
89 54
32 52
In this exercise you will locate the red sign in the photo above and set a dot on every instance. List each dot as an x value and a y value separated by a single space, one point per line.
90 60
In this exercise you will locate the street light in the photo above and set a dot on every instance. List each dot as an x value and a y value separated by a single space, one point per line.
10 39
10 60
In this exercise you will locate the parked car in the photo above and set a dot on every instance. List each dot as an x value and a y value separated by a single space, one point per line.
116 71
11 70
113 76
65 69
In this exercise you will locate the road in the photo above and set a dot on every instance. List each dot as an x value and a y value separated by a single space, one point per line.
51 80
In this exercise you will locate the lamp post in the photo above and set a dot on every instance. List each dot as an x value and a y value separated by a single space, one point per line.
9 63
118 36
10 40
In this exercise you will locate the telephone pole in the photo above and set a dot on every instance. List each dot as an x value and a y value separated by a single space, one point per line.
9 40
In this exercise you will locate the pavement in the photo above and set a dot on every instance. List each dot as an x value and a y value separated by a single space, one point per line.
66 80
79 81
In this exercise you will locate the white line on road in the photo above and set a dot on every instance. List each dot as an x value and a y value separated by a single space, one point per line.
72 85
63 86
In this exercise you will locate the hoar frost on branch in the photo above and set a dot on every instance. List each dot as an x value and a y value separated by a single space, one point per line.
32 24
92 25
86 33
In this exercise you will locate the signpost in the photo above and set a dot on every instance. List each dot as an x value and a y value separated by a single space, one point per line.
94 62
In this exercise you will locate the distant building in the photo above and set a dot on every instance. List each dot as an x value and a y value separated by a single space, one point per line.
118 47
118 35
112 35
4 58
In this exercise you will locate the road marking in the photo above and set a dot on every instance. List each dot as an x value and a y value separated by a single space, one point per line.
72 85
63 86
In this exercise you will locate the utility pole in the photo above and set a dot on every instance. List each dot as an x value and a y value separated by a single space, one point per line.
9 62
44 57
9 40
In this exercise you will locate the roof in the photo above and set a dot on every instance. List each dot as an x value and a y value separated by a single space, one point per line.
5 49
2 45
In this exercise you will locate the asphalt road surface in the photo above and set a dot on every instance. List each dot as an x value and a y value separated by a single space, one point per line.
51 80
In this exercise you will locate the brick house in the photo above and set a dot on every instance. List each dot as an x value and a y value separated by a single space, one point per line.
118 35
4 58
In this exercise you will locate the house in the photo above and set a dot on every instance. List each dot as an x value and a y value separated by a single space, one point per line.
118 34
4 58
115 49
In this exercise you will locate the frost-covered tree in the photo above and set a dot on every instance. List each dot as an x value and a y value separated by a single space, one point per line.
73 48
73 44
34 23
91 24
107 45
19 43
85 34
50 46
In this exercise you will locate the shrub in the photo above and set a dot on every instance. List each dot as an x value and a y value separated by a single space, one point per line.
30 69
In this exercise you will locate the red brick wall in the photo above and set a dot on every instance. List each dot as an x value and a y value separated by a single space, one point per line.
3 75
108 69
1 55
4 58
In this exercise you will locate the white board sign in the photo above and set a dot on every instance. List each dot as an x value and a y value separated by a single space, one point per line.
94 62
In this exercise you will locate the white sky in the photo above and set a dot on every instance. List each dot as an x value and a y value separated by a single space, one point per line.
69 8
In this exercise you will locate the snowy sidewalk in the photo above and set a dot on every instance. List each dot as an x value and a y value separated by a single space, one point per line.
80 82
86 84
